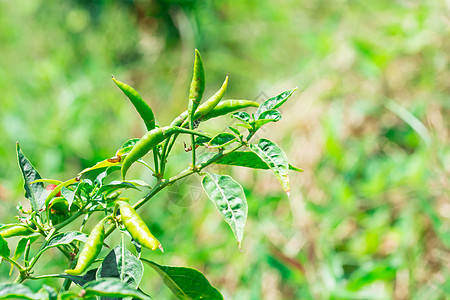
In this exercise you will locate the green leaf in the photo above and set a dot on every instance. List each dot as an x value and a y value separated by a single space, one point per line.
4 249
47 180
113 161
64 239
241 116
201 140
81 280
293 168
20 248
126 267
274 102
221 140
16 291
246 159
276 159
266 117
115 185
69 195
112 287
127 146
186 283
35 193
271 114
229 198
235 131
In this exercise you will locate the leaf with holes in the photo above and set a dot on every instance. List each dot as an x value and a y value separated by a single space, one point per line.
276 159
274 102
229 198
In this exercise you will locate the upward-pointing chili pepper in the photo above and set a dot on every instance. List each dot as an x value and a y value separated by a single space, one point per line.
141 106
197 85
205 107
136 226
91 249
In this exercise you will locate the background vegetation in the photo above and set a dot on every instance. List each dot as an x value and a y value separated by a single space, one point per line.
370 216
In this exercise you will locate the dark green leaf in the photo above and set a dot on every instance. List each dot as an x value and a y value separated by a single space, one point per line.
127 267
276 159
221 140
16 291
20 248
274 102
186 283
4 249
35 193
81 280
229 198
200 140
112 287
246 159
64 239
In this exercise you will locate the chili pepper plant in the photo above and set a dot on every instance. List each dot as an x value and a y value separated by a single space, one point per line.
55 204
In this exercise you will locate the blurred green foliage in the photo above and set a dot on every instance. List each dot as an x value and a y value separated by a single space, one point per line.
370 216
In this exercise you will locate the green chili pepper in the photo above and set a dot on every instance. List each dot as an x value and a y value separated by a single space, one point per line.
149 141
197 85
144 145
17 230
228 106
91 249
141 106
204 108
137 227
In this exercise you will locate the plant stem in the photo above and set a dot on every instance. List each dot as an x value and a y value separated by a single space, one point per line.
155 160
191 125
166 182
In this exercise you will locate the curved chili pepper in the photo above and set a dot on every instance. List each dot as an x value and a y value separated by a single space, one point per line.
91 249
137 227
144 145
141 106
16 230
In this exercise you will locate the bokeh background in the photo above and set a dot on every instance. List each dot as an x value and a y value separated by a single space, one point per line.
370 216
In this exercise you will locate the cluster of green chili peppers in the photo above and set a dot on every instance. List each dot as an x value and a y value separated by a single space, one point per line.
211 108
124 215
